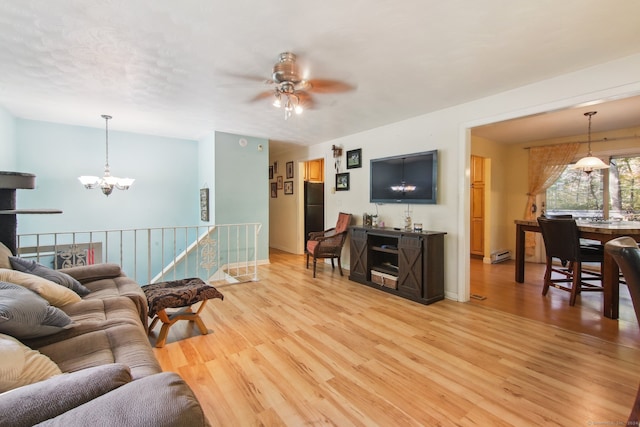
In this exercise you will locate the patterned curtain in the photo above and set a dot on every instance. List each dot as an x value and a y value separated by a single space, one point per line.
546 164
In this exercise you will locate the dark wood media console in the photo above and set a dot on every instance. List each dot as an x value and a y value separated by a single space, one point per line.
404 263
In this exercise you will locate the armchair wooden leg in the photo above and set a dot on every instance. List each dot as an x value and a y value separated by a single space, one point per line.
307 260
340 266
314 267
333 267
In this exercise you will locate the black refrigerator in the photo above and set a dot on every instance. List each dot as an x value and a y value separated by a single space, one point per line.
313 208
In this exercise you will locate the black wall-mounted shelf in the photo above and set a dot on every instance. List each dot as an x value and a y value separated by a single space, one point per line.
9 183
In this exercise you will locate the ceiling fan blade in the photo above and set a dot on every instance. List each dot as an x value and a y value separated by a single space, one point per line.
306 101
250 77
262 95
329 86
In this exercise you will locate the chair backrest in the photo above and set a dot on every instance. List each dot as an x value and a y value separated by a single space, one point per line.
343 222
560 216
624 250
561 238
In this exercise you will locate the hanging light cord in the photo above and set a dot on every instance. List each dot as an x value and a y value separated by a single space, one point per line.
589 114
106 119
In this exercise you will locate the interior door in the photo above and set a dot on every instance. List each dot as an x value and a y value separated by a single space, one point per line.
477 206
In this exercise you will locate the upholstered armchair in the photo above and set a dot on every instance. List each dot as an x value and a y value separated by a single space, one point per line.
328 243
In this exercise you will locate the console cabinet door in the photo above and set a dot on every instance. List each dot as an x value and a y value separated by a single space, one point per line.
433 274
410 266
358 255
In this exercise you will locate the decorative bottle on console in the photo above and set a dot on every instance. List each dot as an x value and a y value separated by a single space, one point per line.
407 219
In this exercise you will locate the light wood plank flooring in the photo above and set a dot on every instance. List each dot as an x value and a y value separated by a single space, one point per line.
291 350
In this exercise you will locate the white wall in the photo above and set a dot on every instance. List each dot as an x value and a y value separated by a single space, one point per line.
447 131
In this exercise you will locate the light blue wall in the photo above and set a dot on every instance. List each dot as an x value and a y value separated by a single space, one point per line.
206 173
165 192
242 184
8 160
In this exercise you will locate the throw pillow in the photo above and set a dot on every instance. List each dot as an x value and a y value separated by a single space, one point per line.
20 365
32 267
5 253
37 403
57 295
25 314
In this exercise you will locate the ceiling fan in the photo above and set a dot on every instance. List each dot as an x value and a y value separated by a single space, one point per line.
291 91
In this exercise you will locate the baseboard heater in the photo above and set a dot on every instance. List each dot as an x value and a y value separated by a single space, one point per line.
499 256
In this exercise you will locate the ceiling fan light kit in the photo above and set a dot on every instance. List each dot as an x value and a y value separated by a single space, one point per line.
590 163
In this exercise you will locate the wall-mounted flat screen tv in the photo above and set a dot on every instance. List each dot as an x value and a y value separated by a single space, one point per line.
408 178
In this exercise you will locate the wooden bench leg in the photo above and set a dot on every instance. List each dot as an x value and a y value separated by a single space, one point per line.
169 319
164 331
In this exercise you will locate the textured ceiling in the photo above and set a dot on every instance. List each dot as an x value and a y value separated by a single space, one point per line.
182 69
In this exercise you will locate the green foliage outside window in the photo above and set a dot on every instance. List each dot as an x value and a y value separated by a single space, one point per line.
581 194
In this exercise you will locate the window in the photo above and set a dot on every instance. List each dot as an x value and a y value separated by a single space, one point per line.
613 193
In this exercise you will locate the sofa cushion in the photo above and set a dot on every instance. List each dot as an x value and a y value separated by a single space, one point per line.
5 253
24 314
91 315
90 273
122 343
168 402
120 286
32 267
32 404
57 295
20 365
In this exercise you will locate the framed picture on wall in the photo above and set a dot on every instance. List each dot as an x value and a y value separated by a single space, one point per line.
270 172
279 182
274 190
289 170
342 181
204 204
354 158
288 187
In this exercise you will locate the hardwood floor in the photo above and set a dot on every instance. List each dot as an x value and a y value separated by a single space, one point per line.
292 350
496 283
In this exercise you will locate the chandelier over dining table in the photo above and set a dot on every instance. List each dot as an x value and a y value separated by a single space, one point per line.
590 163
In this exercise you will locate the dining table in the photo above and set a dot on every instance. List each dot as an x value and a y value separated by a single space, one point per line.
601 231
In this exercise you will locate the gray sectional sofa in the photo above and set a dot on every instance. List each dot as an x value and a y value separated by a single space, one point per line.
91 357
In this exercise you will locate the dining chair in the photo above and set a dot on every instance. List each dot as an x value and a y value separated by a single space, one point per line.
626 253
328 243
562 242
564 262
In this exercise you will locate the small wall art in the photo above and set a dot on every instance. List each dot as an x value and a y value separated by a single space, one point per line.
289 170
342 181
204 204
274 190
270 172
288 187
354 158
279 180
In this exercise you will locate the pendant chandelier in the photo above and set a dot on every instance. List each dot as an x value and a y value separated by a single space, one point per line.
107 183
590 163
403 187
